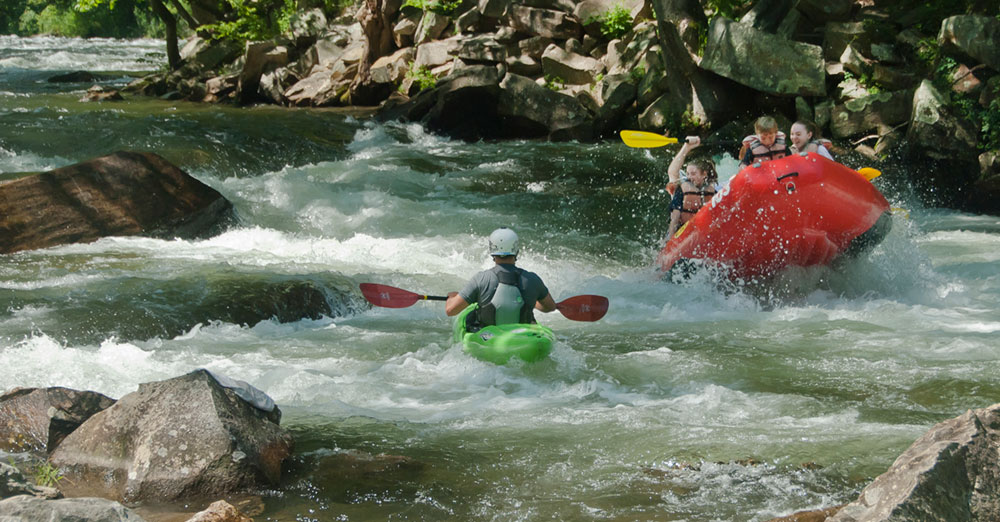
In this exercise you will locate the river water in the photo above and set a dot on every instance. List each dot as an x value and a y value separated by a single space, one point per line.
690 400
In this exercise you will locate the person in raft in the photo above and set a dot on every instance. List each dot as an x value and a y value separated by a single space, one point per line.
505 293
805 138
767 144
696 190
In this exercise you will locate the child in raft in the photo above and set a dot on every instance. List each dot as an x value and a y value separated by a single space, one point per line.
767 144
805 138
695 191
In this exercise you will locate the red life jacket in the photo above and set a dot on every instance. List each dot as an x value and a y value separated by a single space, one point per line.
694 200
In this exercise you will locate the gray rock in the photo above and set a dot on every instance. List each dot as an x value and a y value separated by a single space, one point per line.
437 53
12 482
431 26
174 439
484 48
493 8
570 67
405 29
27 508
122 194
544 22
977 37
763 61
949 474
935 131
38 419
868 112
539 110
392 68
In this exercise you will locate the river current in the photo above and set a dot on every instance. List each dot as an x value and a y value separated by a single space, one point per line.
691 400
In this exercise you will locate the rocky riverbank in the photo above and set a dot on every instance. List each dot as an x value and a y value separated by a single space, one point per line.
919 87
202 436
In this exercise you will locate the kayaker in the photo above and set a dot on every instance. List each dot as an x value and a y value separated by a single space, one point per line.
506 294
696 190
767 144
805 138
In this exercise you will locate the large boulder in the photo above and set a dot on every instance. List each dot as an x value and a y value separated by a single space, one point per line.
949 473
544 22
763 61
985 194
122 194
870 112
936 131
182 438
539 111
24 507
38 419
977 37
570 67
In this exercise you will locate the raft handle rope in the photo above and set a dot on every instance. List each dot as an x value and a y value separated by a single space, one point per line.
790 174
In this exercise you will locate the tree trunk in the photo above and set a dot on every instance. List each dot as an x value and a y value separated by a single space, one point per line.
173 52
184 14
378 43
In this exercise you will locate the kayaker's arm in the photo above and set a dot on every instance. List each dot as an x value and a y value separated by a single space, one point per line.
455 304
546 304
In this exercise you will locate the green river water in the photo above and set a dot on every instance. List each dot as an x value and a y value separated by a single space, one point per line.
689 401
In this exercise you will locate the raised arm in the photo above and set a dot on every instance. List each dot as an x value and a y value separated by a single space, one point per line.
674 170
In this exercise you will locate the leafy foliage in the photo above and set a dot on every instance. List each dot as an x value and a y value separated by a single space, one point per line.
554 83
728 8
47 475
615 22
421 76
253 20
441 7
83 18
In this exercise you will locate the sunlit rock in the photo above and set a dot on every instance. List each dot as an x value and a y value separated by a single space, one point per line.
544 22
67 509
38 419
949 473
865 114
176 439
977 37
935 130
122 194
763 61
220 511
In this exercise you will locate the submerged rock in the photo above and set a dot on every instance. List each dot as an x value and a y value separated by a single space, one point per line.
122 194
182 438
38 419
68 509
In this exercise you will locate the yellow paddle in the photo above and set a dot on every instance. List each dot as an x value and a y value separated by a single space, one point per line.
645 140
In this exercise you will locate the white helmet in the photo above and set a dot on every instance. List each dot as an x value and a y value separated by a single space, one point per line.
503 242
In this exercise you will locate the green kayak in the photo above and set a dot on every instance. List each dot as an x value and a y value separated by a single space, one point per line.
497 344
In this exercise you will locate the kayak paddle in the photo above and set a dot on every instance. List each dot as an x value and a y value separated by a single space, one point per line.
645 140
577 308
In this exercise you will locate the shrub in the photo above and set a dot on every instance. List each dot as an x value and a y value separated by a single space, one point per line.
422 77
616 22
442 7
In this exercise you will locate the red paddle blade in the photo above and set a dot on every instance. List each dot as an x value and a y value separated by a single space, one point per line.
584 307
388 296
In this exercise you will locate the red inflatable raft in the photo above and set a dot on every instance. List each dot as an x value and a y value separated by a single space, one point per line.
795 211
